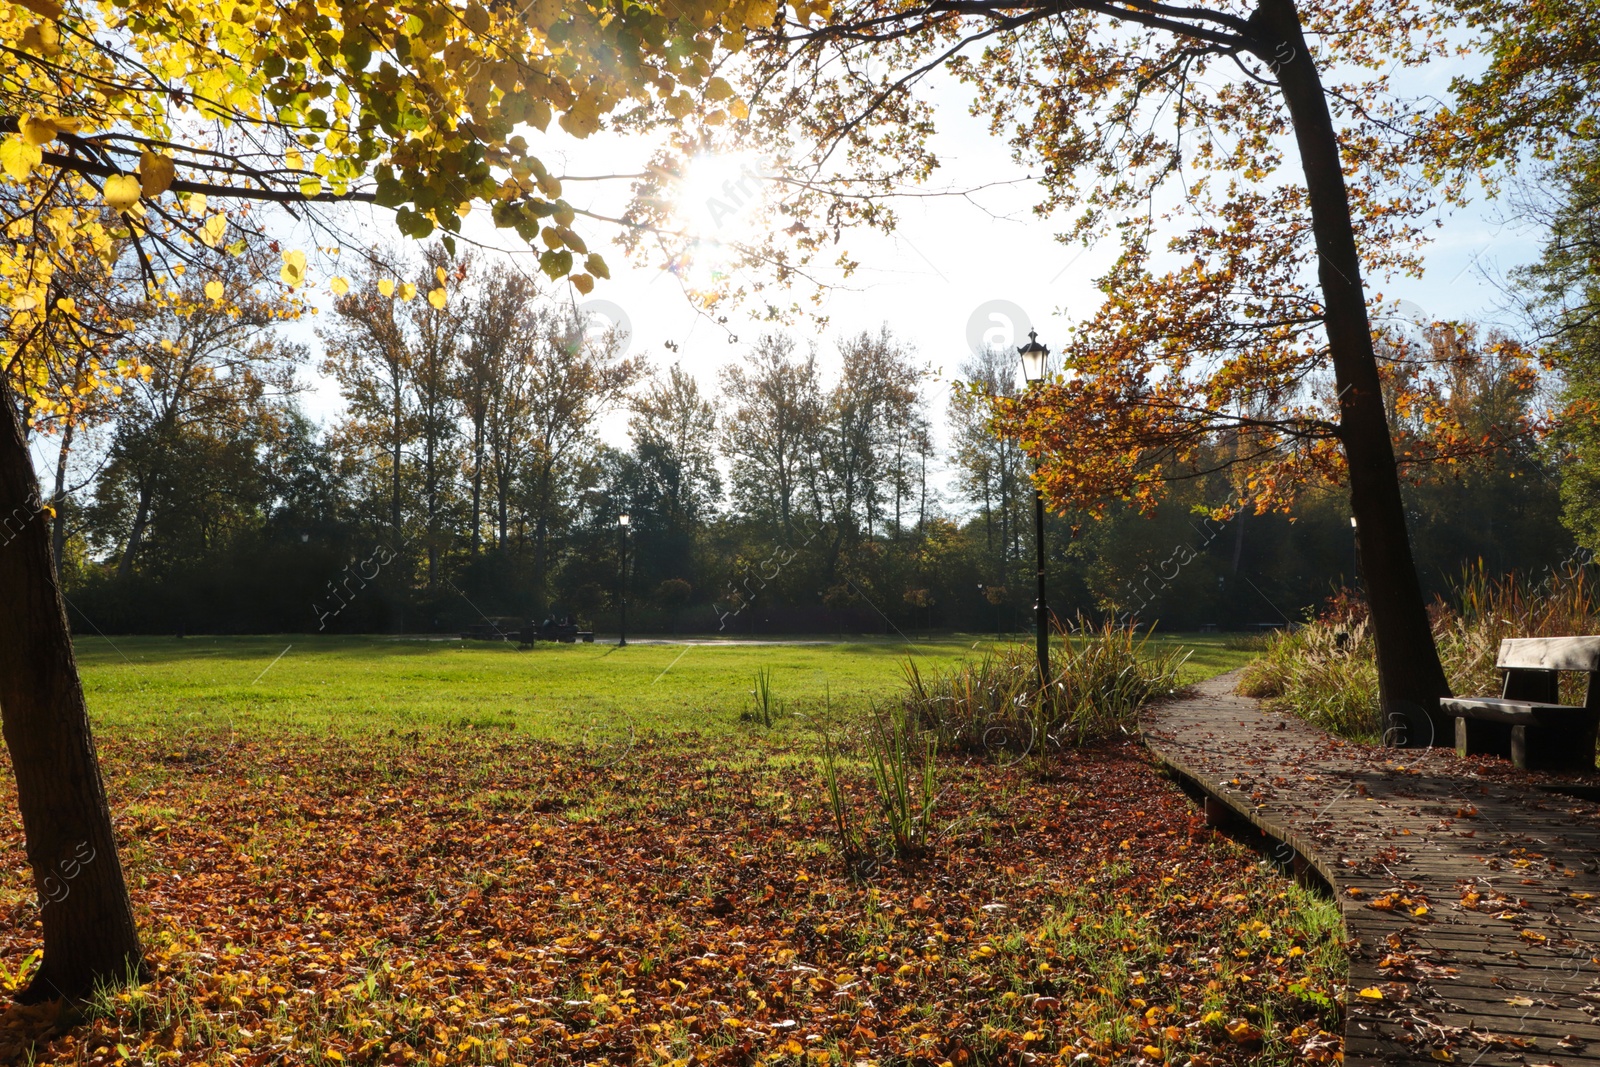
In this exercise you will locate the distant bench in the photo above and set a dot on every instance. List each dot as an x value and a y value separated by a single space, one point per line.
1527 721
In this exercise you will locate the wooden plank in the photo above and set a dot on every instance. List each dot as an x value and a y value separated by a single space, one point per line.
1550 653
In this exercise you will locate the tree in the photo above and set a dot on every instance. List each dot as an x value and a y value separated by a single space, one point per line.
674 431
146 128
213 373
1566 297
1252 324
1535 106
369 354
396 360
772 430
875 397
574 377
503 323
990 466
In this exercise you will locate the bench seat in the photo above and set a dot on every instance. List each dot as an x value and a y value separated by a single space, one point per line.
1505 709
1527 721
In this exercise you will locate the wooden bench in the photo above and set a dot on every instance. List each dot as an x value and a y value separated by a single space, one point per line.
1528 722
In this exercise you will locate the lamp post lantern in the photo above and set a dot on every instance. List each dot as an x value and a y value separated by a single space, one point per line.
623 522
1033 356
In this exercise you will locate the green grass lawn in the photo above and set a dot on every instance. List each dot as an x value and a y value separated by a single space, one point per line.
363 685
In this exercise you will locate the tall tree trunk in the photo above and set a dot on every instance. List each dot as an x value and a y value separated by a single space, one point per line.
502 491
433 507
58 501
477 486
1410 677
87 919
141 520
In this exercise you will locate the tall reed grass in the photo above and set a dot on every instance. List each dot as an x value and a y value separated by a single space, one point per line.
1101 674
1326 671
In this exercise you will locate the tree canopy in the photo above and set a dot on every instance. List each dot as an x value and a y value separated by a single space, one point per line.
154 127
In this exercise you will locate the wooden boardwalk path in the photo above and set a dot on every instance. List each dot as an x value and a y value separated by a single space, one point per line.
1473 896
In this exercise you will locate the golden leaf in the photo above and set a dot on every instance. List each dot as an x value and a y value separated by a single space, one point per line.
340 286
437 297
18 157
214 290
156 173
293 271
213 230
36 129
408 290
386 287
121 191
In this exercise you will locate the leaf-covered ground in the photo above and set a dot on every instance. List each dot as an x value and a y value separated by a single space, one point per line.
680 900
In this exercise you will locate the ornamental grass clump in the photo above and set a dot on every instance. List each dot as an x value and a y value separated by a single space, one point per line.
1101 674
1326 670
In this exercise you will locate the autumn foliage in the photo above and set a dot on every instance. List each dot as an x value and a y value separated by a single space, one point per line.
455 898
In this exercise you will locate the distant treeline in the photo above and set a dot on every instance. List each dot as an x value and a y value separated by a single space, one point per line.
468 480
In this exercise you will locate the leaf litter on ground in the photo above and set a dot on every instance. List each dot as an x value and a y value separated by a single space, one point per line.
479 900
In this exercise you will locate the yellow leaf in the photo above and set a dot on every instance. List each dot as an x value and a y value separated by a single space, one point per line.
121 191
18 157
436 297
386 286
213 230
596 266
583 283
155 173
1442 1055
42 39
36 129
438 272
293 271
340 286
214 290
294 159
408 290
1372 992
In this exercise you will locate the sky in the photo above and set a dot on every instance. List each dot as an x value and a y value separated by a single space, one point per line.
960 269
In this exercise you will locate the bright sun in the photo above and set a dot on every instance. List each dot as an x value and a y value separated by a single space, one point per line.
722 198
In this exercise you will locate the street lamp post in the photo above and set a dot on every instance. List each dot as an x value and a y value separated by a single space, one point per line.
623 522
1355 555
1033 356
